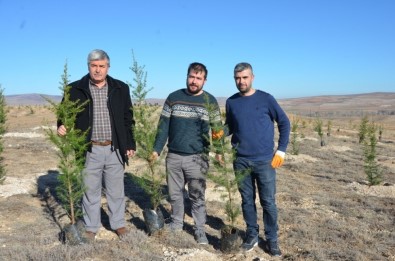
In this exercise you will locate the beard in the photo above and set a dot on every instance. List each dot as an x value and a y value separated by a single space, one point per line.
194 89
244 89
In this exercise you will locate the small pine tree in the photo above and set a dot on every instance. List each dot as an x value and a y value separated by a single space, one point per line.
3 119
381 129
145 132
31 110
363 129
318 128
294 136
71 151
372 169
329 128
224 175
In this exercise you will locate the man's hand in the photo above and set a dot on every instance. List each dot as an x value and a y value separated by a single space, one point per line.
130 153
154 156
218 157
62 130
278 159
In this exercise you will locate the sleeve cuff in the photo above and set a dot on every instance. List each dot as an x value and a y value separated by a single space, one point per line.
280 153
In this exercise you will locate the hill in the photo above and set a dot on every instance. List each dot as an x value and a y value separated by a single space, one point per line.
378 101
30 99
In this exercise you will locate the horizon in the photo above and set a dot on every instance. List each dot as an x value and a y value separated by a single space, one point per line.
225 97
296 48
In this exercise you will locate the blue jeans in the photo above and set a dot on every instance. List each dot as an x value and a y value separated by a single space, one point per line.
264 176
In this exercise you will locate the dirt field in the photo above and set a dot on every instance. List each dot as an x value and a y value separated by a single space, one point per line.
326 209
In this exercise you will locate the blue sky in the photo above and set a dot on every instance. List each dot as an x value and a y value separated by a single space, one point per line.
297 48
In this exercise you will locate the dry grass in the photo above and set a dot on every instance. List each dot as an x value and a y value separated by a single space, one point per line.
326 210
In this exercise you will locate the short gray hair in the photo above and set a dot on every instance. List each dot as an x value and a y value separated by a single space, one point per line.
97 55
243 66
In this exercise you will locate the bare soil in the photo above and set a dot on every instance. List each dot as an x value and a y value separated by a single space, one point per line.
327 210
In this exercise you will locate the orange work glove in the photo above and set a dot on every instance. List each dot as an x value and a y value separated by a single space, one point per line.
278 159
216 135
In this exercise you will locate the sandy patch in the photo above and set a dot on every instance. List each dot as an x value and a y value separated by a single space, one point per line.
301 158
24 135
13 186
377 191
339 148
310 138
188 254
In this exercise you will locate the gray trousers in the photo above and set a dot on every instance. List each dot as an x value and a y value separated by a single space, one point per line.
103 165
188 170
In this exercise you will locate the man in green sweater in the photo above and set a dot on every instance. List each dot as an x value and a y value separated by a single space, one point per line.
184 124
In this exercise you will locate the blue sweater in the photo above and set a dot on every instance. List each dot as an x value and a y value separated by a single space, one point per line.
185 123
251 121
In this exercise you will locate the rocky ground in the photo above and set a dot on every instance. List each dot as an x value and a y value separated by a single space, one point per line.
327 211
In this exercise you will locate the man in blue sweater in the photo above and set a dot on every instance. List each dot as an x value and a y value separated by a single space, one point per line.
250 116
184 124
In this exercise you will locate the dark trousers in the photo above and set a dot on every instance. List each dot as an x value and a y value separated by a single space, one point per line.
258 174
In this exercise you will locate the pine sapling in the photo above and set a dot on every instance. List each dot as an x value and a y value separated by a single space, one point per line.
146 118
295 136
363 129
372 168
71 151
304 126
328 128
381 129
223 174
225 177
3 119
318 128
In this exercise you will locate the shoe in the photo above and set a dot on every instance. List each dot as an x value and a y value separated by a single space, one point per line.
89 236
250 243
121 232
273 248
173 227
200 237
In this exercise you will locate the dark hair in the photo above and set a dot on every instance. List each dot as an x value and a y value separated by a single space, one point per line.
198 67
243 66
